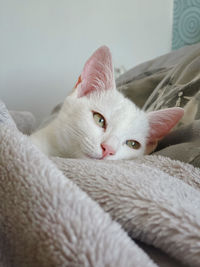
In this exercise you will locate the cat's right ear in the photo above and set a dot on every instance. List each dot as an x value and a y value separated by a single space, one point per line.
97 74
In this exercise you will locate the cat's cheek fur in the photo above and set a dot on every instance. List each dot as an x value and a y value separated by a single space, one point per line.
79 136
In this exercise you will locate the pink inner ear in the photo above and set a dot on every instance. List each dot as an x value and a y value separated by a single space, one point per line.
162 121
97 73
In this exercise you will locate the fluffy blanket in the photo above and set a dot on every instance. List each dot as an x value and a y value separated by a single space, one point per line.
66 212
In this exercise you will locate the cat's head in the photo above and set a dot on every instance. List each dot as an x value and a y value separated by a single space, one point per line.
96 121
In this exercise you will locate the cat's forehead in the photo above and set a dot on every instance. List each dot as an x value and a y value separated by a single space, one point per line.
121 114
115 105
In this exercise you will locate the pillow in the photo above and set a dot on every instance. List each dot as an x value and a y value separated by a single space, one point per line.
144 82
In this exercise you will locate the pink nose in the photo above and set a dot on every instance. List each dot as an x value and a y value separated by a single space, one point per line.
107 150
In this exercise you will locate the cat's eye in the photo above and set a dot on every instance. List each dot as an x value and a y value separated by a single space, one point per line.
99 119
133 144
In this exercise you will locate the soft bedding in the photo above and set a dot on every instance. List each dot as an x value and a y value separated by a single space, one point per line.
142 212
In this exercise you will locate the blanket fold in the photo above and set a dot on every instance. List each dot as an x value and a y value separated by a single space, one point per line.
150 204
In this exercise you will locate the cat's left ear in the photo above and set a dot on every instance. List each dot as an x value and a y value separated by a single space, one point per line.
97 74
161 122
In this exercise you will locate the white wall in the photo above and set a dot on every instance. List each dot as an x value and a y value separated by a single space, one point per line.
44 43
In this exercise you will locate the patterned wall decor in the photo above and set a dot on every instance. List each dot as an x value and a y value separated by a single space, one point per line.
186 23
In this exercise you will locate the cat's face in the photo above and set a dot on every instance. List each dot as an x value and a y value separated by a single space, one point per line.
102 126
96 121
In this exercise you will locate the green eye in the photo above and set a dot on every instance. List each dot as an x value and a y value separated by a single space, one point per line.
99 119
133 144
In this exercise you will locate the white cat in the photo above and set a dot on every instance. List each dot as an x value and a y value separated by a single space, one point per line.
98 122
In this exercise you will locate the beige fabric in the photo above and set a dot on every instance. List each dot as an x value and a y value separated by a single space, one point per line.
151 205
47 220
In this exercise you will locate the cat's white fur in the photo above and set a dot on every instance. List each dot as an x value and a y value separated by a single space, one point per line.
74 132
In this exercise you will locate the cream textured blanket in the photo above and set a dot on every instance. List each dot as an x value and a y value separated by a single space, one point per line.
65 212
